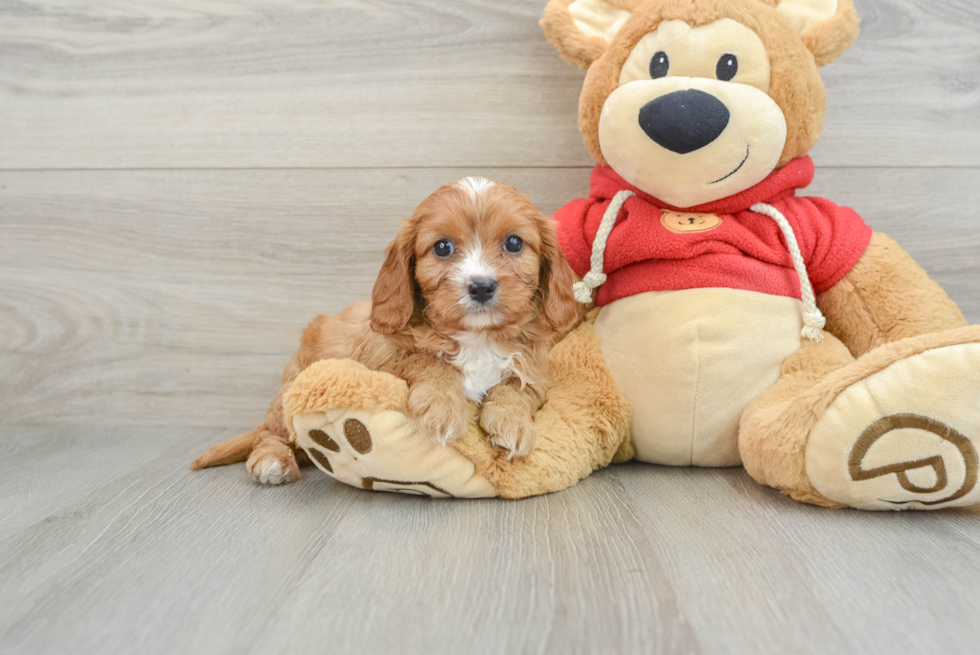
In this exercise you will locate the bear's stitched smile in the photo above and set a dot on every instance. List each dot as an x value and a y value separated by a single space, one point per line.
737 168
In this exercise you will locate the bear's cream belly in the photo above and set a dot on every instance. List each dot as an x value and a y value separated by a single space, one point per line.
691 361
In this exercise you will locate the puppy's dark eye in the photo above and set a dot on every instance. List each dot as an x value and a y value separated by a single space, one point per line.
659 65
513 244
443 248
726 68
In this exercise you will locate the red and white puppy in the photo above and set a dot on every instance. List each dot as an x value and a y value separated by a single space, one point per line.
468 300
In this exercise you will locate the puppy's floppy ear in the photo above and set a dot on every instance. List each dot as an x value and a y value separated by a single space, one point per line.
580 30
827 27
558 304
393 296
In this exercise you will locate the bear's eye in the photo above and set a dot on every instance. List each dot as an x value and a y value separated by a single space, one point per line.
659 65
726 68
443 248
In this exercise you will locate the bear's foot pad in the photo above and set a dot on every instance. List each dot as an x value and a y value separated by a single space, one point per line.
342 444
905 437
353 429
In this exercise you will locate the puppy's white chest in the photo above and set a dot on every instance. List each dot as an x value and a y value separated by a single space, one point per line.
482 363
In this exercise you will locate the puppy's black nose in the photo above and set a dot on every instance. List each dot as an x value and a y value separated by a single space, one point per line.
684 121
482 289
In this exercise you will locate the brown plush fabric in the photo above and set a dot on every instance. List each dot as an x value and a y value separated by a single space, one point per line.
582 427
884 298
829 40
577 49
338 381
775 427
625 453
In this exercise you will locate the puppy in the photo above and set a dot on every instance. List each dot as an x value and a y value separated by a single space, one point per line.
470 295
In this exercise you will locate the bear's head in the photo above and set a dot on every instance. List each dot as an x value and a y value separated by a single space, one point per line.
696 100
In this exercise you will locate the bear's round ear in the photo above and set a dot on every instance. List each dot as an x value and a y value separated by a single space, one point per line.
581 30
827 27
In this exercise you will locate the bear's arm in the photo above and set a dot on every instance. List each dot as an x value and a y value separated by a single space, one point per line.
885 297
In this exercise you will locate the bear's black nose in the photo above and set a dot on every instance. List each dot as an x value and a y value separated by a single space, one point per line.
481 289
684 121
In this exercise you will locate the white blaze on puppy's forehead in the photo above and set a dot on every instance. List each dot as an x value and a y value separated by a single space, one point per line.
475 186
474 264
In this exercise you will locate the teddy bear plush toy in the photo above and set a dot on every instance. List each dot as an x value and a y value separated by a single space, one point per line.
736 322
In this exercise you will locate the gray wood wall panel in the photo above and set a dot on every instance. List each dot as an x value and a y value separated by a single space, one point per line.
176 297
370 83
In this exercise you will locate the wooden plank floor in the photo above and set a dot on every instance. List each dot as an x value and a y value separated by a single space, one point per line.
108 544
184 184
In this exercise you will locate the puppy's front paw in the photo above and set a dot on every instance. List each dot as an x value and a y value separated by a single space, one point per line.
508 428
440 412
272 463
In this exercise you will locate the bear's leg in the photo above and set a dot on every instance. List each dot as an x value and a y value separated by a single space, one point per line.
886 297
353 424
897 428
771 450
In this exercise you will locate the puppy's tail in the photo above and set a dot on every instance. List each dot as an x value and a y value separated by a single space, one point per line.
229 451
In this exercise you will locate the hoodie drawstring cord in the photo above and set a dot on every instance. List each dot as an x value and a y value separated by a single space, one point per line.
595 277
813 319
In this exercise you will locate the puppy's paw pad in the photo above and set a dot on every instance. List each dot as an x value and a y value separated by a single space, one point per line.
445 418
518 447
512 433
272 469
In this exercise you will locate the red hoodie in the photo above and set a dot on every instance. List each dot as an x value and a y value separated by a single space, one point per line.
746 251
